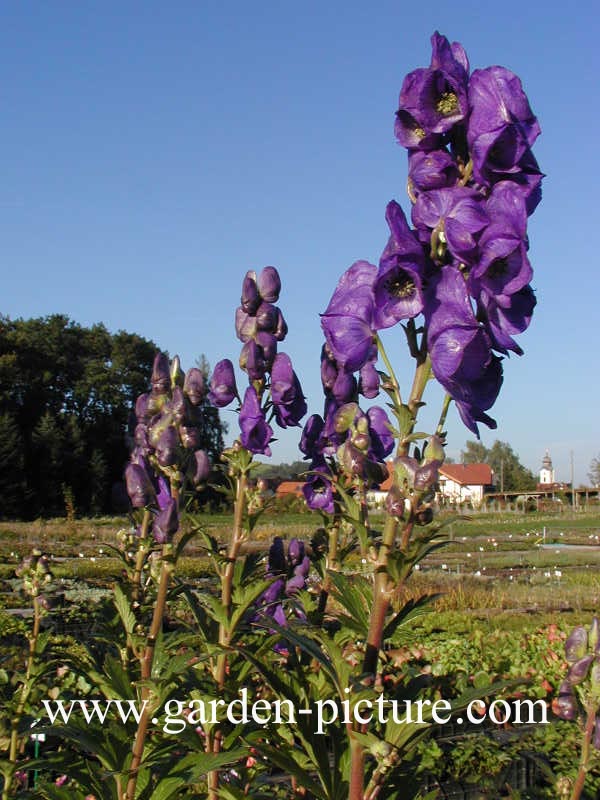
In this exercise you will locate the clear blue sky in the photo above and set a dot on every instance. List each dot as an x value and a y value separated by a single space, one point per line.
153 152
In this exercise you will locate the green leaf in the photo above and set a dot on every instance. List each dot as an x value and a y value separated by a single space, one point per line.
124 610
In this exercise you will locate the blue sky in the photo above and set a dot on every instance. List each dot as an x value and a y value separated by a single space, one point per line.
153 152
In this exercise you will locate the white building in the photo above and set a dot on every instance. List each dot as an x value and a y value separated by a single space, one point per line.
547 471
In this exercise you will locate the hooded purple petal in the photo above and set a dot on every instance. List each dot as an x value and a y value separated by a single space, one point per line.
255 432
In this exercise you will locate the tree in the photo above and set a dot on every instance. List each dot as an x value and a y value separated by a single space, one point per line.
594 473
12 467
509 474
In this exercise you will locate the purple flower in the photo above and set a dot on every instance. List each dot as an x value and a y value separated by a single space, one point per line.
576 645
286 392
201 467
456 215
276 561
245 325
255 432
266 317
433 100
161 374
166 522
311 435
141 408
512 317
295 552
194 386
269 284
431 170
252 360
502 126
166 449
163 496
317 490
382 438
189 436
281 327
139 486
565 705
460 349
368 384
223 388
250 299
398 284
418 476
347 321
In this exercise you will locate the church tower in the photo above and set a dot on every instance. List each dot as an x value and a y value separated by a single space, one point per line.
547 471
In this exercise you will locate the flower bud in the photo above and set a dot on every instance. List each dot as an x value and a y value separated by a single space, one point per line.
223 388
594 637
276 563
166 448
141 408
190 437
245 325
368 384
394 502
177 405
166 522
139 486
344 417
194 386
576 644
565 705
281 328
295 552
268 343
269 284
161 374
252 361
201 465
176 373
266 317
434 450
578 671
250 299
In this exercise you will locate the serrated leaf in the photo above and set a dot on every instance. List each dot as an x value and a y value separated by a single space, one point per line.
124 610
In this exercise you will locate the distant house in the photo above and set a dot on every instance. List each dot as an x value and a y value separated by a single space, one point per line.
286 488
460 483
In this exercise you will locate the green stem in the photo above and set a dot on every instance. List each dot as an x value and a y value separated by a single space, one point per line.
226 597
25 692
584 761
390 371
141 555
146 670
445 406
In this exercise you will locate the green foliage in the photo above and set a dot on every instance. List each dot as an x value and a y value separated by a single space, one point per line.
509 474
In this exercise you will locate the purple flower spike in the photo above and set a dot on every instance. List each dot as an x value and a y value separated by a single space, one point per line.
161 374
398 284
166 522
223 388
269 284
255 432
194 386
139 486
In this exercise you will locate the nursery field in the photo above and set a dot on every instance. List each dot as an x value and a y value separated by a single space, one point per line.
506 592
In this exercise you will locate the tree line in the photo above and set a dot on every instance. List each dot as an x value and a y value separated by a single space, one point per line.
66 396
